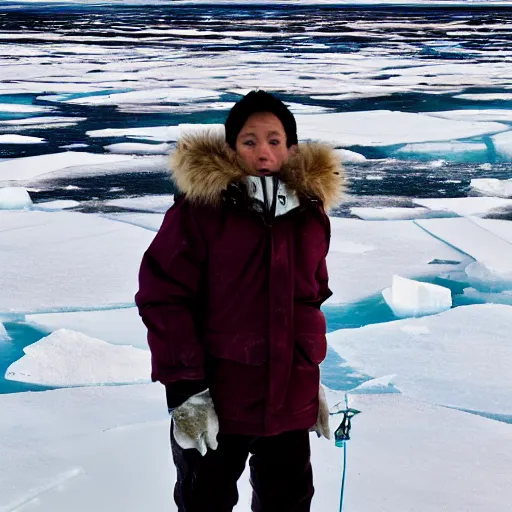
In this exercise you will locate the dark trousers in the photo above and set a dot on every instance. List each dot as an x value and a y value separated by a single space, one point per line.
281 474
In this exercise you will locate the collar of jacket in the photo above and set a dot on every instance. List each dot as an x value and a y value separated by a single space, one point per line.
203 169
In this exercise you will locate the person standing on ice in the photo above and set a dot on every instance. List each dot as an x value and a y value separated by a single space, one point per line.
230 291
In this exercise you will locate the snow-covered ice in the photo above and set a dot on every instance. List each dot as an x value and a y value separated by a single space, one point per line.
407 297
106 448
31 167
70 358
66 261
20 139
492 187
117 326
462 362
14 198
364 256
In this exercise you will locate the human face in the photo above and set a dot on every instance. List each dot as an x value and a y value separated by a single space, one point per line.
261 144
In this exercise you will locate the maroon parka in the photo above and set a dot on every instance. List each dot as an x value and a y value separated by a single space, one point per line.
232 295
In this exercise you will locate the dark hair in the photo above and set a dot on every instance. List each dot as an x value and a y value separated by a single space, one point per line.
252 103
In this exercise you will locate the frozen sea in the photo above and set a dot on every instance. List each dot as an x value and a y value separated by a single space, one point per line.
416 98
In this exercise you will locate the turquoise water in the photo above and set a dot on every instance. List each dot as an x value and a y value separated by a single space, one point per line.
11 350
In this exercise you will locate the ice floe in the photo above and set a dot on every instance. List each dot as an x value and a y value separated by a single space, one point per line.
385 128
133 148
53 206
388 213
460 151
168 94
14 198
476 238
155 203
383 248
492 187
17 108
20 139
462 362
31 167
407 297
117 326
68 261
465 206
70 358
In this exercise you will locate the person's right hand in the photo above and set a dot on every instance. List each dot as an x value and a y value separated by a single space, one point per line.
196 424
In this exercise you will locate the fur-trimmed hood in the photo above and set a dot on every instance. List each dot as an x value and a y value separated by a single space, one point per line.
203 167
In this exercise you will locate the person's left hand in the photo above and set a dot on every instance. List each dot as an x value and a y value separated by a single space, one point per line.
321 427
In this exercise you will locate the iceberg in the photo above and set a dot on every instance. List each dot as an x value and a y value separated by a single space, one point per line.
70 358
116 326
20 139
462 361
492 187
14 198
408 297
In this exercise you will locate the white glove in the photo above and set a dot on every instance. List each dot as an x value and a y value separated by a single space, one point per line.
196 424
321 427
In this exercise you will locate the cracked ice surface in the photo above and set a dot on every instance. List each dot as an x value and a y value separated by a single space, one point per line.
461 360
79 446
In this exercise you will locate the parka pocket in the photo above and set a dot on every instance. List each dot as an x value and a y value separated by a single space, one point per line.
310 329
